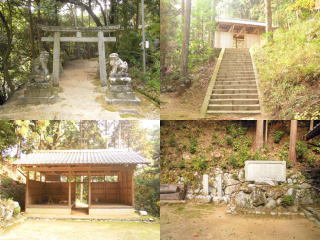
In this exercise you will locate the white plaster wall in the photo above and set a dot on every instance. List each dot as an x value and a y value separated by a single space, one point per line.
223 40
252 40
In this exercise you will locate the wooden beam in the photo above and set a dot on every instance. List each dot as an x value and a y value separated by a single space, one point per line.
79 29
231 28
56 58
79 39
79 169
102 59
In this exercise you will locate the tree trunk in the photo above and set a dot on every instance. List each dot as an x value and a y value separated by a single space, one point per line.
268 13
137 15
259 135
31 31
293 141
185 42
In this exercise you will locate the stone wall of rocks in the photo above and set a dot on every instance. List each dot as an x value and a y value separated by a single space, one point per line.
230 187
8 209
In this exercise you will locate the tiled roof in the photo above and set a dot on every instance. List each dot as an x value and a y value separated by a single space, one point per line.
240 21
88 156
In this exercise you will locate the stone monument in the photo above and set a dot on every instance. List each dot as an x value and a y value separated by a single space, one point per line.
39 88
265 171
120 91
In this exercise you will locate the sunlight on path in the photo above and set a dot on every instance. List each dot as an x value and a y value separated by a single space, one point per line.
81 97
76 230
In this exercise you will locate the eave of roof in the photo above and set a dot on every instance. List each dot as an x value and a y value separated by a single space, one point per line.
241 21
82 157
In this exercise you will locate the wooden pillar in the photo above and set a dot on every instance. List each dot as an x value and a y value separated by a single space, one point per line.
89 192
132 188
102 59
27 191
56 58
69 191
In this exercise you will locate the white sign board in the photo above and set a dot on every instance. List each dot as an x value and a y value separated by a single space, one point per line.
265 170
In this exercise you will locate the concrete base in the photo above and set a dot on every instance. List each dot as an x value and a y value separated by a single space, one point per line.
112 212
49 210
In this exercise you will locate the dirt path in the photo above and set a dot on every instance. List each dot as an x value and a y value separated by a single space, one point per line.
208 222
81 97
76 230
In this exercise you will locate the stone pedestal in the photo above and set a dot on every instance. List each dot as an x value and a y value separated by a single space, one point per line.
38 93
120 92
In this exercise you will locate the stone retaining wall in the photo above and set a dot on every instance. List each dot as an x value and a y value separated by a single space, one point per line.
230 187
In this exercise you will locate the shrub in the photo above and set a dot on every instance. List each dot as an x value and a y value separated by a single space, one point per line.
5 182
147 192
302 150
237 159
236 130
277 136
193 145
199 163
242 143
287 201
16 211
229 140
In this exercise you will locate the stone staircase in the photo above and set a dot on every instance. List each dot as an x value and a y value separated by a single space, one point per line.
235 90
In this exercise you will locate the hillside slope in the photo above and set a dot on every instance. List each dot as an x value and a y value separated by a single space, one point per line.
289 69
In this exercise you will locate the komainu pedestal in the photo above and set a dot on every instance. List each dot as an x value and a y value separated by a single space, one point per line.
39 88
120 91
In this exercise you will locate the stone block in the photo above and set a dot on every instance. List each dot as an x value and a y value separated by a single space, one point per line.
261 171
205 184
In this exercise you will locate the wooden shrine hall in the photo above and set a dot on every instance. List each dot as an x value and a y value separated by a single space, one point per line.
94 181
238 33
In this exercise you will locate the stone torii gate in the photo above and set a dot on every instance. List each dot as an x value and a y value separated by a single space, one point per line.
100 39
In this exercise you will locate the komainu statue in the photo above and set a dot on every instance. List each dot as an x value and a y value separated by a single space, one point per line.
40 71
120 91
119 67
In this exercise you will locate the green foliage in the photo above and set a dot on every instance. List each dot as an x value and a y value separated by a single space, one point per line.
199 163
236 130
277 136
289 71
172 141
237 159
287 201
147 192
16 211
5 182
302 150
242 143
229 140
193 145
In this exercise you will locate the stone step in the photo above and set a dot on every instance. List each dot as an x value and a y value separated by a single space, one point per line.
230 79
242 82
234 101
236 72
234 75
217 107
234 91
234 96
235 86
234 112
